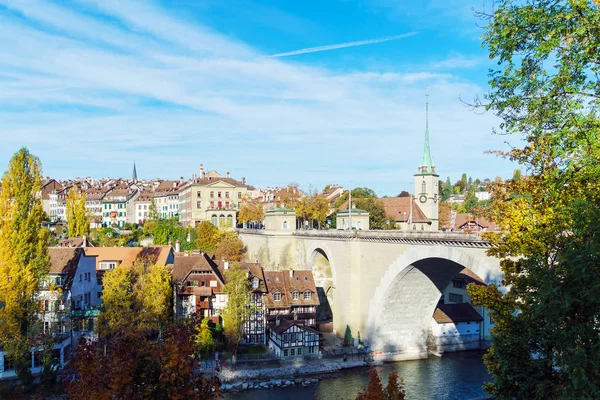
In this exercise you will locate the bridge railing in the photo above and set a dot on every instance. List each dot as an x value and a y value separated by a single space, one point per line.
339 233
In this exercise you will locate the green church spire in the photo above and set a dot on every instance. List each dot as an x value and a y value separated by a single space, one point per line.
427 166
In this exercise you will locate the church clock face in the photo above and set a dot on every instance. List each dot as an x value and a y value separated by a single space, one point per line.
423 198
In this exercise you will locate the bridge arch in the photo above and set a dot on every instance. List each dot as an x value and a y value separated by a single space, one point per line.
322 265
402 306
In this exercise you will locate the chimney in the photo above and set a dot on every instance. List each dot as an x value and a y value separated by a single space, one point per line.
201 171
177 246
226 265
174 184
228 174
243 180
291 273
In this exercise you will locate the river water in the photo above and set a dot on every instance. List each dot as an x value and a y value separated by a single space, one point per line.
456 376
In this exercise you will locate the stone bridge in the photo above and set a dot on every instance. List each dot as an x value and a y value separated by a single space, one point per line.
383 284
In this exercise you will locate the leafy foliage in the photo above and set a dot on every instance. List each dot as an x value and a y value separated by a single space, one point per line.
24 258
374 390
229 247
546 339
77 215
131 366
251 210
237 310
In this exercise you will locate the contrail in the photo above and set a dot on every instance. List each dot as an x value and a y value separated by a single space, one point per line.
342 45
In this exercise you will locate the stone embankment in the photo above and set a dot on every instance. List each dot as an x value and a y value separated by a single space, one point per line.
246 379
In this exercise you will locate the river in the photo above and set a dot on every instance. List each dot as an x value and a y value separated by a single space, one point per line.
456 376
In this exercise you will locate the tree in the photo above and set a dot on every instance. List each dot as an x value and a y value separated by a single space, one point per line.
117 301
319 209
446 191
444 215
251 210
404 193
204 338
134 367
376 211
374 389
237 310
207 237
78 219
230 247
546 339
24 258
154 294
395 387
153 213
516 175
289 196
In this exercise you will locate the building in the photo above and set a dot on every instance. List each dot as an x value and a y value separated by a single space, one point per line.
280 219
166 197
456 324
198 287
142 207
399 212
291 307
360 219
211 197
427 181
118 206
49 198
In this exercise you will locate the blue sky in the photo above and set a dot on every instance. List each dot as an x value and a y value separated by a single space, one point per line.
92 85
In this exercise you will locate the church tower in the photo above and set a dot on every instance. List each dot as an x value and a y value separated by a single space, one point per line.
426 180
134 174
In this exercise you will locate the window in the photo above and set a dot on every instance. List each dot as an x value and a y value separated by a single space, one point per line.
214 219
459 283
285 354
300 352
277 296
292 352
255 283
307 295
239 204
285 225
198 194
219 194
198 204
455 298
239 195
212 194
311 350
423 187
295 295
227 195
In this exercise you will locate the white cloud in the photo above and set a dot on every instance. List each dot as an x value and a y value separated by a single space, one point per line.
171 94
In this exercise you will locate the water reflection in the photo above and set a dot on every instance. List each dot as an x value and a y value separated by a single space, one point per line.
457 376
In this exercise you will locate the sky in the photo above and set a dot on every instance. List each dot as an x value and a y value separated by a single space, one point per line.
313 92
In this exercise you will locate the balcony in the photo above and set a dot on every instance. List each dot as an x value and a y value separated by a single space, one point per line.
215 207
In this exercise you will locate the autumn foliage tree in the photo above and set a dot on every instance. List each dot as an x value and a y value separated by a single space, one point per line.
547 89
24 258
374 390
132 366
78 219
251 210
237 310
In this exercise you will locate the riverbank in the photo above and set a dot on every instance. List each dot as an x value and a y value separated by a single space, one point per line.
273 377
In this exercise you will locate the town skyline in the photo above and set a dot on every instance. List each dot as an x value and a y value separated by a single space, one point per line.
300 89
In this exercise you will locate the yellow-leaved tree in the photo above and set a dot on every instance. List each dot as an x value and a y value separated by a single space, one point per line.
24 258
117 301
153 294
251 210
78 219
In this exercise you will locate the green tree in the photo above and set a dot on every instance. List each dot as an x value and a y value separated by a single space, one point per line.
204 338
546 339
78 219
237 310
376 211
153 212
516 175
24 258
446 191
